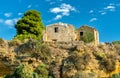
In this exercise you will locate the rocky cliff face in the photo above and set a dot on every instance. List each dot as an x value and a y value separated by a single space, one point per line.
67 60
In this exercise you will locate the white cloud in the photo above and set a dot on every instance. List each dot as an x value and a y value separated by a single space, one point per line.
103 13
9 22
29 6
91 11
7 14
20 13
93 19
63 10
58 17
110 8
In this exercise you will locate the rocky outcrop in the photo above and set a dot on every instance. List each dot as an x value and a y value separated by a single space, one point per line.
66 60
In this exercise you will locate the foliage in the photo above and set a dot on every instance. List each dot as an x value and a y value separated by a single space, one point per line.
41 51
87 37
29 26
117 46
116 42
14 42
35 49
77 61
23 71
82 74
42 71
99 55
1 40
116 76
108 64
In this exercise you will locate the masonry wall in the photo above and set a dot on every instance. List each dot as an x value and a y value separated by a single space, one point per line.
90 29
63 33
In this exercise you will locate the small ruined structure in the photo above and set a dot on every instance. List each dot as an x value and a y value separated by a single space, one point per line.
61 32
83 29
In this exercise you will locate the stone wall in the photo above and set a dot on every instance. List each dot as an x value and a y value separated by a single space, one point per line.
83 29
59 32
62 32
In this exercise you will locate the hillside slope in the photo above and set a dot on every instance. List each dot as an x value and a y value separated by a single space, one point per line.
65 60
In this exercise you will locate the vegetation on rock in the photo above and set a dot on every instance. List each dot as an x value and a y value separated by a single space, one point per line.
43 60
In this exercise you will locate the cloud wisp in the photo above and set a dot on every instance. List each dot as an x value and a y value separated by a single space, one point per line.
9 22
7 14
109 8
93 19
63 10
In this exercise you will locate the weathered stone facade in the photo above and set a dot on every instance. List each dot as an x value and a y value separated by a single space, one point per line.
85 28
61 32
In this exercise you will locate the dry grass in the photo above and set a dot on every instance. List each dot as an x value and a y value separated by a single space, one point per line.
4 70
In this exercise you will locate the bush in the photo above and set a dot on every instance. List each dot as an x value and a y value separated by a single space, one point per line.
116 76
42 52
99 55
1 41
23 71
82 74
77 61
116 42
22 37
108 65
117 46
87 37
42 71
14 42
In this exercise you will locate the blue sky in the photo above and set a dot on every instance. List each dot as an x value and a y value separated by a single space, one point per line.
104 15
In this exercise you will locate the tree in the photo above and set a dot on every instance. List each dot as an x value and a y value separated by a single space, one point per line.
29 26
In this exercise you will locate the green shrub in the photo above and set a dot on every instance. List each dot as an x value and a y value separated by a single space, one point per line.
42 71
87 37
42 52
82 74
117 46
14 42
116 42
77 61
116 76
1 41
23 71
99 55
108 64
22 37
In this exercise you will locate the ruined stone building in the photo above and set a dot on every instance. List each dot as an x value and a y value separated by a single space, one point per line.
84 29
61 32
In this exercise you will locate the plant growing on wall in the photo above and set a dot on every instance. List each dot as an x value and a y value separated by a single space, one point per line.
87 37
